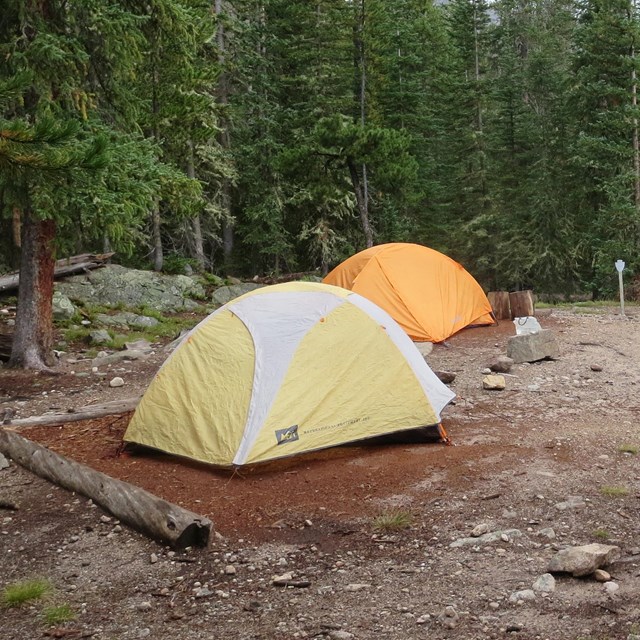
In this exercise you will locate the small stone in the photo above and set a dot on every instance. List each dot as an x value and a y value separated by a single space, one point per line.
601 575
154 558
230 570
105 519
423 619
611 587
116 382
357 587
547 533
584 560
117 529
545 583
595 367
522 596
4 463
144 606
501 364
338 634
480 530
202 592
493 383
445 376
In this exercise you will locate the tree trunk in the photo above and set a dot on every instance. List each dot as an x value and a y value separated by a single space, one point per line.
157 518
499 301
360 201
521 304
225 141
33 338
158 255
196 227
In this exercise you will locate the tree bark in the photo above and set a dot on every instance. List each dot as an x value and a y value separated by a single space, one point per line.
196 226
134 506
33 338
499 301
158 254
521 304
360 201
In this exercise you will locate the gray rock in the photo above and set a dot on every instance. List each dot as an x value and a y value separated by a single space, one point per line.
338 634
145 606
525 594
545 583
99 336
425 348
445 376
533 347
116 382
572 502
226 294
118 356
63 308
583 561
547 533
114 284
127 319
230 570
357 587
480 530
611 587
501 364
4 463
487 538
153 558
596 367
139 346
493 383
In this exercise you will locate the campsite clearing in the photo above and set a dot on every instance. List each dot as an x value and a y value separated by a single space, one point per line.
363 531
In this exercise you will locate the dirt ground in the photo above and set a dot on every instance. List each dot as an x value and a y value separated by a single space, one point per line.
550 462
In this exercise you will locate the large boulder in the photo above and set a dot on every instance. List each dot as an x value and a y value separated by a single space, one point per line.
63 308
533 346
115 285
226 294
583 561
127 319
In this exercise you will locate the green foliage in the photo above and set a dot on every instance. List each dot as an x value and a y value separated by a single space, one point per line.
57 614
392 521
628 448
601 534
22 592
614 491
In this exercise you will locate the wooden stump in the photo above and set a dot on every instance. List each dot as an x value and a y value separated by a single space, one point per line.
521 304
499 301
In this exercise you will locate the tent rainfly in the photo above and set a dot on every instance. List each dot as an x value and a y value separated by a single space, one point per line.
427 293
283 370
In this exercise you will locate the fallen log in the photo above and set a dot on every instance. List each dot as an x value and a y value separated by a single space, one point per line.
141 510
113 408
64 267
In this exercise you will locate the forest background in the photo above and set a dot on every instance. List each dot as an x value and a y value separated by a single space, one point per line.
253 137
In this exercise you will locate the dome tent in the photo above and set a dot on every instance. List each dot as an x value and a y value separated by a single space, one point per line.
283 370
427 293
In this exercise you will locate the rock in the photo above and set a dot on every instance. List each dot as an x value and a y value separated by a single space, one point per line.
113 285
583 561
493 383
425 348
545 583
230 570
611 587
445 376
547 533
226 294
338 634
480 530
501 364
119 356
202 592
486 371
116 382
139 346
357 587
525 594
533 347
153 558
285 577
595 367
99 336
63 308
572 502
4 463
127 319
449 617
494 536
601 575
145 606
423 619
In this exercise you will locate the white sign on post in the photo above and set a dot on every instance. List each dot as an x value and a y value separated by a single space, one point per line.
620 268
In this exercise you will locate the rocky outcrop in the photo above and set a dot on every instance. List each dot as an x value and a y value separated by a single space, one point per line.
116 285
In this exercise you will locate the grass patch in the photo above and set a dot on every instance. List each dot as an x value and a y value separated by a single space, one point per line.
392 521
601 534
16 594
628 448
58 614
614 491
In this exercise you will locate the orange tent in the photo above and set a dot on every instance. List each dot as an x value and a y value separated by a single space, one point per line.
427 293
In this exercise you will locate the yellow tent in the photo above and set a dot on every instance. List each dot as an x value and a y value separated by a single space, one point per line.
283 370
427 293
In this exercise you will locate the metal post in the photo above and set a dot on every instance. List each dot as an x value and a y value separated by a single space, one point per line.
620 269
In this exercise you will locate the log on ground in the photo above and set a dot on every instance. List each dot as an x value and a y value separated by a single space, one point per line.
141 510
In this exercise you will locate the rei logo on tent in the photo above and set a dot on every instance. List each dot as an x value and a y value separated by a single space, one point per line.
290 434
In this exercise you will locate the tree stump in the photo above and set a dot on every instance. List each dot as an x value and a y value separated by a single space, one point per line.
499 301
521 304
